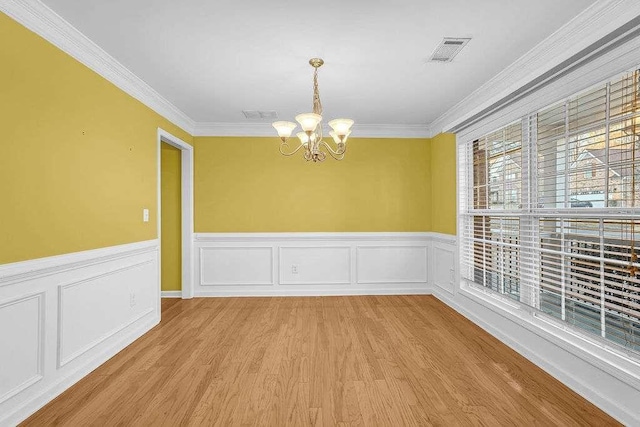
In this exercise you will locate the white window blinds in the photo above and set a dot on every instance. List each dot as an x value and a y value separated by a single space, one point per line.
550 210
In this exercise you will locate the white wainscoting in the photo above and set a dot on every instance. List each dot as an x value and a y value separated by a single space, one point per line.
63 316
263 264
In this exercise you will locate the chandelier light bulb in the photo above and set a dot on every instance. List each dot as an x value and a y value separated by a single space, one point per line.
335 137
340 139
344 138
309 121
303 137
341 126
285 129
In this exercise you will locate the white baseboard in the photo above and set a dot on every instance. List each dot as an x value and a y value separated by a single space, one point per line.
112 292
171 294
610 388
318 292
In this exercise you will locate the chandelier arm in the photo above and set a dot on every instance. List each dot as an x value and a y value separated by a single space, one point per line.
291 153
336 152
336 155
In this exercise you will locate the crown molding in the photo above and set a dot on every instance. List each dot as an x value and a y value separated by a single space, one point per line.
391 131
597 26
596 23
233 129
38 18
265 129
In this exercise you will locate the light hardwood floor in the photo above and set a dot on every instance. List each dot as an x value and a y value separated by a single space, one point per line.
392 360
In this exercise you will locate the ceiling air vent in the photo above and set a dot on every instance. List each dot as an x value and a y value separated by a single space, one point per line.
270 114
256 114
448 49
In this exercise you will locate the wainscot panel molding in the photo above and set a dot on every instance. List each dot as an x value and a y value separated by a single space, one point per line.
392 264
327 265
21 324
316 263
231 265
63 316
444 255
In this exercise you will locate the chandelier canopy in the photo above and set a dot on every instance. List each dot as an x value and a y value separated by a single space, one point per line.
315 148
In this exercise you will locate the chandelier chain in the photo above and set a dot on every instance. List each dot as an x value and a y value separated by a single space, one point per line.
317 104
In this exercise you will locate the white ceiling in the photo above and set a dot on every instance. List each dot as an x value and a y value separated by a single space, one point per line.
212 59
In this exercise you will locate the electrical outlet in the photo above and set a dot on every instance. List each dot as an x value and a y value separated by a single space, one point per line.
294 269
145 215
132 299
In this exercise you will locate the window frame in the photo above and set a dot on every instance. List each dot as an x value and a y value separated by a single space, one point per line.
530 211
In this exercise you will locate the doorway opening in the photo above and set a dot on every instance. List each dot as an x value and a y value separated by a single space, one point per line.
171 224
175 216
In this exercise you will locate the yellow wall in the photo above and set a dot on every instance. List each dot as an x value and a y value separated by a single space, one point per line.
78 160
246 185
443 181
171 229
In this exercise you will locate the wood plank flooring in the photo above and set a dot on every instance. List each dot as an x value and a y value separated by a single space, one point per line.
366 360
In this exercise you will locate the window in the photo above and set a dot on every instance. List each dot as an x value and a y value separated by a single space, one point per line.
591 171
550 211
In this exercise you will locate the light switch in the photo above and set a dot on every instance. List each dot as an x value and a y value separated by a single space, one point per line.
145 215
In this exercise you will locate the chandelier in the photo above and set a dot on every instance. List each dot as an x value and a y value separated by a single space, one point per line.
315 148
